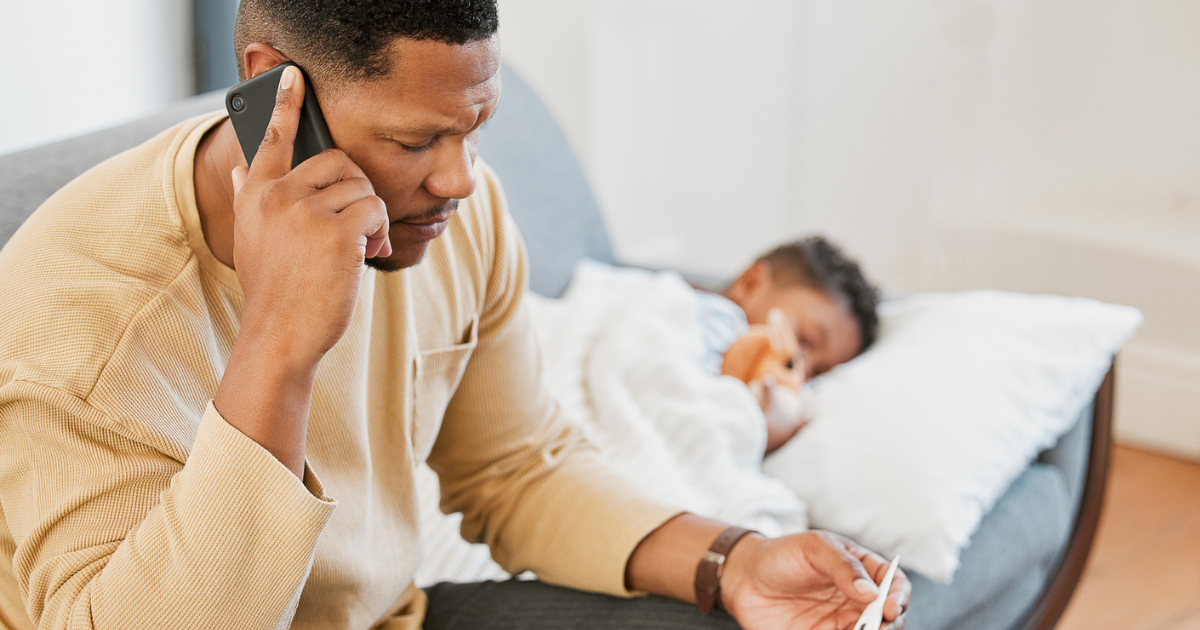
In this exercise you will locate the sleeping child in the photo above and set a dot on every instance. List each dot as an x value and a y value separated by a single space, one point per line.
797 312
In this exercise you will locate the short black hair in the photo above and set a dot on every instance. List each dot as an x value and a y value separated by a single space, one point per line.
817 263
349 38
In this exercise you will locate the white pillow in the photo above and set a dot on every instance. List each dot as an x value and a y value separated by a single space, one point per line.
914 441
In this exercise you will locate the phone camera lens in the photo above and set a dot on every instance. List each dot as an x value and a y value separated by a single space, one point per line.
238 103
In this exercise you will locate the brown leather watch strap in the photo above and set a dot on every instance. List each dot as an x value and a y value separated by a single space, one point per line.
712 564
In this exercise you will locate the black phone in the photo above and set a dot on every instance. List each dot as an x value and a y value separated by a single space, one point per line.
251 103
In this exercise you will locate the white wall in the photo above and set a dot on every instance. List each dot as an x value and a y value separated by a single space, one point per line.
72 66
1031 145
633 82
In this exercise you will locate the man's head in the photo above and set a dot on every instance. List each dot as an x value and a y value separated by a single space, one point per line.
405 86
824 294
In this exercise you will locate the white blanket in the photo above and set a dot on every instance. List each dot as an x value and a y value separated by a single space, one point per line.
622 354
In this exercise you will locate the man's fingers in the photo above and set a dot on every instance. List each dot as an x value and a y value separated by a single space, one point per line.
326 169
874 563
899 596
274 157
877 567
378 243
337 197
832 558
378 247
381 237
370 215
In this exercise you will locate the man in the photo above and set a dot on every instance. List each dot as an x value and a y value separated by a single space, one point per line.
202 363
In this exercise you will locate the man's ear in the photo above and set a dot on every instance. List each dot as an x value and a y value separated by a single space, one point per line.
260 57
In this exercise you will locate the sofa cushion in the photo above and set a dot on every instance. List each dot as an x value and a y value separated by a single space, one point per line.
1025 531
27 178
548 194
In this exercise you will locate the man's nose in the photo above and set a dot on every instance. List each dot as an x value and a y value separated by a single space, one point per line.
453 175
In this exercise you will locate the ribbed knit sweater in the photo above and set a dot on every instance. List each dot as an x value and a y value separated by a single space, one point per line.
127 500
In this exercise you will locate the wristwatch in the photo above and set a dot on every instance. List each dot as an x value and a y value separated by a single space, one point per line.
712 564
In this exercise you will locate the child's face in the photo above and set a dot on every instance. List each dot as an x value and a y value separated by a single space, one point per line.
825 327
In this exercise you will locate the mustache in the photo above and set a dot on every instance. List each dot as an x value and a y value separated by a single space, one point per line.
434 212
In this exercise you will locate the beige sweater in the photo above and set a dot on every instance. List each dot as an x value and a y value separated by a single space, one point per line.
128 502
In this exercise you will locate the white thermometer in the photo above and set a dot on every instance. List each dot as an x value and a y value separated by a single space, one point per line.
872 617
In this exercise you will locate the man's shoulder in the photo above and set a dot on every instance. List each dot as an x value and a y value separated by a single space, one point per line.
86 262
121 214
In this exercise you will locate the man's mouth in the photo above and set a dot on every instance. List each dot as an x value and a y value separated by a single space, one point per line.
439 218
430 217
428 225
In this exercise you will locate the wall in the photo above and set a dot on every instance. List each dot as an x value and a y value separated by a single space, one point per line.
632 83
72 66
1030 145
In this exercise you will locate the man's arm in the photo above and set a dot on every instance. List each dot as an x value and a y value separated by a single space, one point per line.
544 499
324 210
112 533
809 580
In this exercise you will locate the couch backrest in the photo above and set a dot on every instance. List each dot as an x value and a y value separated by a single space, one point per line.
548 194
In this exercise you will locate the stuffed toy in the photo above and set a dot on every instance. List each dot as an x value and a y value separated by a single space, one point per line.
768 359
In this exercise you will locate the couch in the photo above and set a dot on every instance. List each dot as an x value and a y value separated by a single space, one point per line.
1027 556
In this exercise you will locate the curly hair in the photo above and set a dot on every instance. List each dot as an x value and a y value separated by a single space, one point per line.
817 263
349 38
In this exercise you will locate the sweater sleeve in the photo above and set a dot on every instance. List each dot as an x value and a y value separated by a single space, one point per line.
526 480
111 533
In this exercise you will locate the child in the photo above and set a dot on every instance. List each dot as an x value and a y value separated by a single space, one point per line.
826 301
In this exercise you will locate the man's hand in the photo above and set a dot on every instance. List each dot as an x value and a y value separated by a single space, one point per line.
300 238
809 581
805 581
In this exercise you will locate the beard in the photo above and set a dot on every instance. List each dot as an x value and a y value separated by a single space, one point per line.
410 253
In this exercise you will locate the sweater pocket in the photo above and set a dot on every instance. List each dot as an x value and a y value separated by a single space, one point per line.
438 373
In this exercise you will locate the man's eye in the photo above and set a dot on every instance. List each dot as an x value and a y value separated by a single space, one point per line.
417 149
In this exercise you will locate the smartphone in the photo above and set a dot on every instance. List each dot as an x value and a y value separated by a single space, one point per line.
251 103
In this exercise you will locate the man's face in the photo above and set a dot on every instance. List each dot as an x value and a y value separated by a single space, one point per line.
415 133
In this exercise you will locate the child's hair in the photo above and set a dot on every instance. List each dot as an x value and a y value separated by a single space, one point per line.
817 263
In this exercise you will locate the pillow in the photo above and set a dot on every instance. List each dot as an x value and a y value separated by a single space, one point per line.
911 443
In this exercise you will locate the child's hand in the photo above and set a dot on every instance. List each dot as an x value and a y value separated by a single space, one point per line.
783 409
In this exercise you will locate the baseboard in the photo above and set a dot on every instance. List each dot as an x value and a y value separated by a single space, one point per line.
1158 400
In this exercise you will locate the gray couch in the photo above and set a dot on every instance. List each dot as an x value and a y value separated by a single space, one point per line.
1022 564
